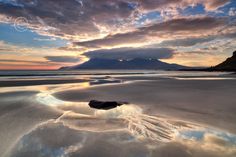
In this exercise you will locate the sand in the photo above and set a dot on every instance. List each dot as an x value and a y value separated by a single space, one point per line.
19 115
209 102
167 116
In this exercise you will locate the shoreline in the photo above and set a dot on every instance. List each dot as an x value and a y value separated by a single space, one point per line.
60 117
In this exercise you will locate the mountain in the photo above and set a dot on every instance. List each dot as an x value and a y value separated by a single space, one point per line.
228 65
133 64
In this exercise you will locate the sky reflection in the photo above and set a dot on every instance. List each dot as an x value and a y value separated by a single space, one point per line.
128 130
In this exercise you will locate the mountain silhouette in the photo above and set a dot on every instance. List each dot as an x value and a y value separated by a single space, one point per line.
228 65
132 64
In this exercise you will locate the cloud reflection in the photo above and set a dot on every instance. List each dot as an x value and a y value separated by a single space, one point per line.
124 131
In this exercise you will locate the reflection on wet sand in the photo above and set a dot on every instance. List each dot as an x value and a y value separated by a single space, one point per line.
83 131
35 121
82 117
56 139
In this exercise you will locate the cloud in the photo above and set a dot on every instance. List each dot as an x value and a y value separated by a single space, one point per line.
56 138
175 27
131 53
187 24
91 25
215 4
232 12
185 42
160 4
43 39
197 58
68 18
89 19
25 61
63 59
215 140
130 38
7 48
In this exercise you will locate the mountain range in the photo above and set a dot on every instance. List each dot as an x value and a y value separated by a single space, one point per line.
132 64
147 64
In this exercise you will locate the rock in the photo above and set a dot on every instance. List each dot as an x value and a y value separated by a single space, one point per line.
228 65
105 105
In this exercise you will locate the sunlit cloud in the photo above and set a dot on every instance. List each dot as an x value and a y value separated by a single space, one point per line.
71 28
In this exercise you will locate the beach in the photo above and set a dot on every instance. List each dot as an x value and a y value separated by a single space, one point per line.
168 114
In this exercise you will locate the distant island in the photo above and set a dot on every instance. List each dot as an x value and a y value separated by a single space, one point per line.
132 64
147 64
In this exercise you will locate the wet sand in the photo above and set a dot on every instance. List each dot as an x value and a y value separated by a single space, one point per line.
18 115
209 102
15 83
167 116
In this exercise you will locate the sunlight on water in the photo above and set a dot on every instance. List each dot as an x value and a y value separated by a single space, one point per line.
125 125
48 99
76 127
131 116
126 117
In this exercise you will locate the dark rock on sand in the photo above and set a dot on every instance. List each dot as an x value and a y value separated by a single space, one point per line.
105 105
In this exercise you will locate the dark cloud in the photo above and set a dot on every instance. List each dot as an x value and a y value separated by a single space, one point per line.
187 24
157 4
25 61
63 59
131 53
71 48
160 4
186 41
70 18
194 52
113 40
230 35
171 27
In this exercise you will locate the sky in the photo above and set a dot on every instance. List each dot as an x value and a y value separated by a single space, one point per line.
48 34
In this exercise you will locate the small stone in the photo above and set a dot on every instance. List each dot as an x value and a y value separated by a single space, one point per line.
105 105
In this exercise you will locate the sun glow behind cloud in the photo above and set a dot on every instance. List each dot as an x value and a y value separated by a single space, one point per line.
41 34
